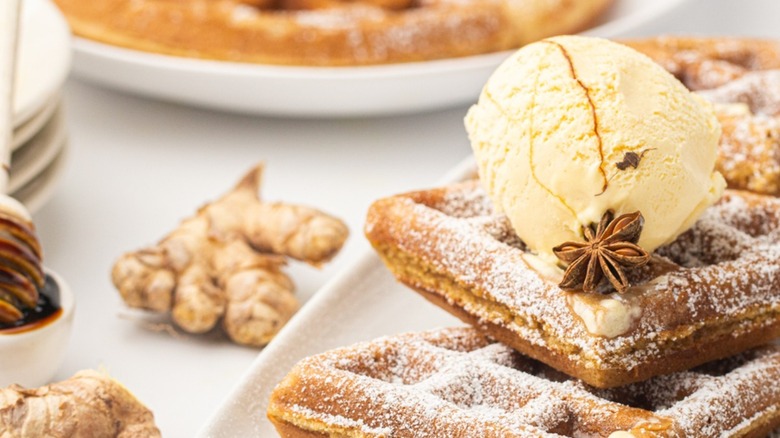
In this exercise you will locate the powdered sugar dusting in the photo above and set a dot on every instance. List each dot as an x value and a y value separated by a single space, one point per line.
749 111
340 18
469 386
749 151
722 398
760 91
370 33
705 63
243 13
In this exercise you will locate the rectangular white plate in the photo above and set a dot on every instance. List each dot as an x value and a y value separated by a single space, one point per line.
361 303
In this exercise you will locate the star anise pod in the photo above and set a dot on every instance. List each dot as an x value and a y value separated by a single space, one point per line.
609 249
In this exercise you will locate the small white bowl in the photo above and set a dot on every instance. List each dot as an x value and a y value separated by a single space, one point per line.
31 358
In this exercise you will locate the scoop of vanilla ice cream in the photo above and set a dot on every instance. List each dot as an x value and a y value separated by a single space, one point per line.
558 120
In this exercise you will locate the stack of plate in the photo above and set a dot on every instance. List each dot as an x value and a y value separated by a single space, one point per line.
39 136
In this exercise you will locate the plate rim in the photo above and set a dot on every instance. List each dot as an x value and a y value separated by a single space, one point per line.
294 91
29 129
38 191
230 68
608 30
42 13
44 146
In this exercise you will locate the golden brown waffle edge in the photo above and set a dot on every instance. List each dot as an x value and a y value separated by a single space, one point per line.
458 383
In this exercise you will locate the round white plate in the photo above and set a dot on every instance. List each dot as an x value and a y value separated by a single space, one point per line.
35 193
31 158
316 91
44 57
35 123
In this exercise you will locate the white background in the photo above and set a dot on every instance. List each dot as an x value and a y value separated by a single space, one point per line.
136 167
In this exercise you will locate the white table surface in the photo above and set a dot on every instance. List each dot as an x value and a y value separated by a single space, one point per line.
137 167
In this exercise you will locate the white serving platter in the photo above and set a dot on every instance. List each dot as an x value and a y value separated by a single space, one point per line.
319 92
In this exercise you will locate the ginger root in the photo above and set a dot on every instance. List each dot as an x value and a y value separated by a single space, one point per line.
224 264
88 404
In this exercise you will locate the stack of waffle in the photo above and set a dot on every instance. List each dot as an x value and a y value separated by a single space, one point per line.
684 352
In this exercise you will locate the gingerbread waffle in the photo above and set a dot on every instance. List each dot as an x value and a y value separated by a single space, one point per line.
742 78
458 383
712 293
703 63
326 32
